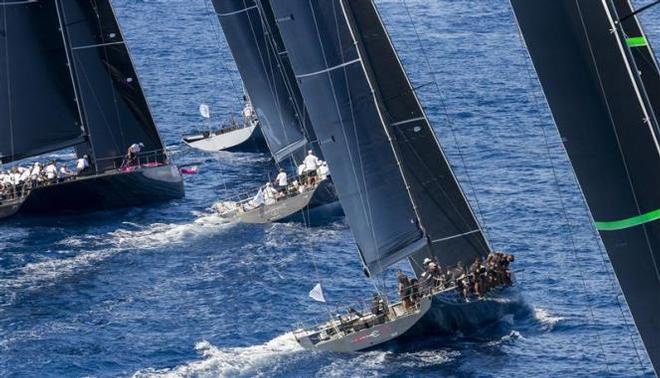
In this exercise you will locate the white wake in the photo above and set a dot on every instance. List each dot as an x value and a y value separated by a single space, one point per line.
230 362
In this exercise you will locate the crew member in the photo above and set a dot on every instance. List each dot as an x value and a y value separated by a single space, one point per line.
82 164
132 154
51 171
270 194
311 165
281 181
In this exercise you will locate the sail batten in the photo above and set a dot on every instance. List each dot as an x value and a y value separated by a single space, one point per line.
603 112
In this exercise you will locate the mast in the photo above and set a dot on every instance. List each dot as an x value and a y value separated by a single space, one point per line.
398 191
116 112
264 73
602 110
38 109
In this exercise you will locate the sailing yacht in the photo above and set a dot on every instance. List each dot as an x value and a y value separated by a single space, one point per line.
601 80
67 80
234 137
253 37
398 191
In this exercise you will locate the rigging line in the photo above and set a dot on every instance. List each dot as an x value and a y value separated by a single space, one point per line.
449 121
638 11
562 204
216 29
9 95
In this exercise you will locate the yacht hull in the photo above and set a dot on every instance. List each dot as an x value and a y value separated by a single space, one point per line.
246 139
102 192
447 316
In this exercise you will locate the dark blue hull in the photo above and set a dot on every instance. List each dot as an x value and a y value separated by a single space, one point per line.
106 191
449 315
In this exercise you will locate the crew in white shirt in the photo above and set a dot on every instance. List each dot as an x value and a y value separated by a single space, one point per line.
82 164
311 165
282 181
323 171
64 172
51 171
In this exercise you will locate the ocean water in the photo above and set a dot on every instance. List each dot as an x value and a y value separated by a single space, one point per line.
172 291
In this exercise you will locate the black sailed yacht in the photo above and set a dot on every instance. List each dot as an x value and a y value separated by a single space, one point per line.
67 80
398 191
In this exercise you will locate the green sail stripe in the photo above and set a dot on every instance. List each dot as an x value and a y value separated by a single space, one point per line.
636 41
630 222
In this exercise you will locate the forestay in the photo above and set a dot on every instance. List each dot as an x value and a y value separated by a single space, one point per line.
395 185
263 67
601 108
115 111
38 111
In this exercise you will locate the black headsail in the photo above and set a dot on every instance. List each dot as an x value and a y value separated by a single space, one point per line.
261 60
398 191
38 111
115 111
602 111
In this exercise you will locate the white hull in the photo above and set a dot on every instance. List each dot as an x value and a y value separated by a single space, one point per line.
221 142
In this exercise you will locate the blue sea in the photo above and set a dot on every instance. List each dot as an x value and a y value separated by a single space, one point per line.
171 290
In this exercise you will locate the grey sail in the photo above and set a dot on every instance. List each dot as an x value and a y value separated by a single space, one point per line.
115 111
601 107
263 74
394 183
38 111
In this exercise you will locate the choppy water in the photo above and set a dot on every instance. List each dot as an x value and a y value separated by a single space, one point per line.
170 290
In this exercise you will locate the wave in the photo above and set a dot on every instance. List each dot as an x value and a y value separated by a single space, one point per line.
97 248
226 362
547 320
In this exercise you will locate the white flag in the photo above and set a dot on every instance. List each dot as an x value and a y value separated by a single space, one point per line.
205 111
317 293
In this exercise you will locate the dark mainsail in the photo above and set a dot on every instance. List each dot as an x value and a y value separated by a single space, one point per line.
115 111
265 72
38 111
394 183
602 110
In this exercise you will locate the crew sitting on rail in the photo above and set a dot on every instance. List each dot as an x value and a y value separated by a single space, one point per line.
51 171
64 173
311 165
281 182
